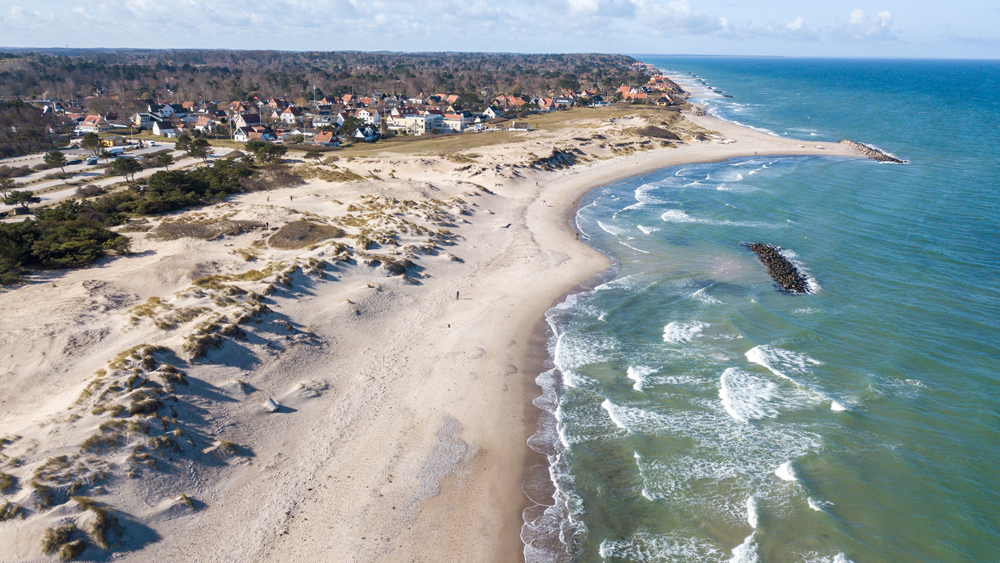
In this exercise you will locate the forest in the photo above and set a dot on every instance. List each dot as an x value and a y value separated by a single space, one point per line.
200 75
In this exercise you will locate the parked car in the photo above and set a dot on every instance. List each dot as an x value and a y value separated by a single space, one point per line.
92 160
74 161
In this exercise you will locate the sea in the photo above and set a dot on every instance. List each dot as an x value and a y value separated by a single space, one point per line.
696 412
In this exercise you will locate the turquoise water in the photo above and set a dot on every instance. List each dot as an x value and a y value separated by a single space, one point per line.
700 414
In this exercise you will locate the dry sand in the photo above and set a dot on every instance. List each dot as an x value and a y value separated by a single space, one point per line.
405 411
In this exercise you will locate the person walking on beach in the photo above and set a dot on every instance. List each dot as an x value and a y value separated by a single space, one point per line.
456 296
291 197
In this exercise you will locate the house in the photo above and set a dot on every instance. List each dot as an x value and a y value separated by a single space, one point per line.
94 124
291 116
163 128
369 117
145 120
664 101
205 124
326 139
490 113
452 98
252 132
454 122
278 104
246 120
189 107
367 133
402 111
335 120
519 126
237 108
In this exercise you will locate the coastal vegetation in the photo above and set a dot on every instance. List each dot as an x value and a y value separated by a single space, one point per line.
74 234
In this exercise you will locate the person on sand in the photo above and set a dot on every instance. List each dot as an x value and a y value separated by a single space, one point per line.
291 197
456 296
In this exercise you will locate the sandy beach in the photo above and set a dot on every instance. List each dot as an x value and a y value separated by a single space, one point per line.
405 399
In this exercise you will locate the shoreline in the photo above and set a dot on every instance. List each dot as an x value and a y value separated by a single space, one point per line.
646 163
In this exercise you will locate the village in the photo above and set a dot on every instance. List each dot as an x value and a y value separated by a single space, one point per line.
334 120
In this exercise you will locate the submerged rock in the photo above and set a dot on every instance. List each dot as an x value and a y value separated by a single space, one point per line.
783 271
872 152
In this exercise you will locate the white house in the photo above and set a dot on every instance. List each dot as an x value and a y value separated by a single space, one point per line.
163 128
490 113
291 116
369 117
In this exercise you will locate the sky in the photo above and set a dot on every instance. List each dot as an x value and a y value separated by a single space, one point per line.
855 28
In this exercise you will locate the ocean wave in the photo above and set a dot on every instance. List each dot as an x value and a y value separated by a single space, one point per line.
752 511
786 472
639 375
611 229
660 548
782 363
682 332
746 552
623 243
678 216
704 297
632 419
745 397
647 230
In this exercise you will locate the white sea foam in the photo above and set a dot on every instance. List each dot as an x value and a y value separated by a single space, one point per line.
812 285
647 230
752 511
611 229
623 243
786 472
684 332
781 362
678 216
746 552
837 406
613 412
639 375
818 505
643 546
704 297
745 396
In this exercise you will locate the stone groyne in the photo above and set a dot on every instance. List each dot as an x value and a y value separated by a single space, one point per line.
871 152
783 271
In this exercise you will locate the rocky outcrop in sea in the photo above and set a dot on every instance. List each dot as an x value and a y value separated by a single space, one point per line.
783 271
871 152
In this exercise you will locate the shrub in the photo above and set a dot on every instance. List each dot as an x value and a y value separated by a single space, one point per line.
54 538
6 482
300 234
9 511
658 133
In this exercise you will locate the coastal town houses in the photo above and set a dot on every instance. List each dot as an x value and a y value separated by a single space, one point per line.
145 120
163 128
328 120
252 133
367 134
368 117
326 139
291 116
205 124
246 120
94 124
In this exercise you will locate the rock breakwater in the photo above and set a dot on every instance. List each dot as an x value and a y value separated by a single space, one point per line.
779 268
871 152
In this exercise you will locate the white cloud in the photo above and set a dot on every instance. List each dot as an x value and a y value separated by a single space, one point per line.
678 18
863 27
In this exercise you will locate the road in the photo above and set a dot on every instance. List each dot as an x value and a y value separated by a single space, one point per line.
70 154
70 191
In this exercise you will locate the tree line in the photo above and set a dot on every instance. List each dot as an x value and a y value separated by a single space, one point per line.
199 75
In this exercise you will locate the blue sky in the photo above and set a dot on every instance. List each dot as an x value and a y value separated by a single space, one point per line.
861 28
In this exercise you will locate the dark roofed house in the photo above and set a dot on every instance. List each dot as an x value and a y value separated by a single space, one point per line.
326 139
